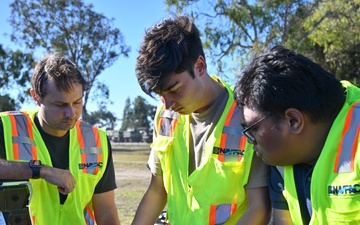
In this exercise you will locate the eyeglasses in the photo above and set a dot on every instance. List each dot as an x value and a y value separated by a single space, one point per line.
246 130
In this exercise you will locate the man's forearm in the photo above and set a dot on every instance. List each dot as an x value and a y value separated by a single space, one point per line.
11 170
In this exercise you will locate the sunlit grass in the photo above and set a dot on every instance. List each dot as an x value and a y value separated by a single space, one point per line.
132 178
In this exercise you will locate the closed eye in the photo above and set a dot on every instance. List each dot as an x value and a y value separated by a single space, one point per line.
60 105
173 91
78 103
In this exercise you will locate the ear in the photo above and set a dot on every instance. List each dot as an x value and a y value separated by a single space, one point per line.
200 66
295 120
35 97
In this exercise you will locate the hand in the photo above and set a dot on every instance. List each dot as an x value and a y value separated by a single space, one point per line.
63 179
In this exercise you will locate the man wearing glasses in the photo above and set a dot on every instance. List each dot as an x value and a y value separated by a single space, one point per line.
247 130
306 124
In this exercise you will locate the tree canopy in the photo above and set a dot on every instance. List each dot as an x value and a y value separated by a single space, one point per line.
15 69
325 30
88 38
137 114
102 118
339 37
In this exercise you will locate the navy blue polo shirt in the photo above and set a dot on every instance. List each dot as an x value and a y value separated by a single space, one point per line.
302 174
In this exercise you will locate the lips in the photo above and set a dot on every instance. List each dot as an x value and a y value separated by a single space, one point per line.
68 122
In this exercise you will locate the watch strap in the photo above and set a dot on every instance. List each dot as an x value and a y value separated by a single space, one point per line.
35 166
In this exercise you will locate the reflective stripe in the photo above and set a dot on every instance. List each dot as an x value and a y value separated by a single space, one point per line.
23 140
344 161
167 122
89 216
232 144
219 214
90 150
233 208
24 146
212 218
232 137
90 147
21 131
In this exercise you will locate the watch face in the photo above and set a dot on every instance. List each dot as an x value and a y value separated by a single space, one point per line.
36 163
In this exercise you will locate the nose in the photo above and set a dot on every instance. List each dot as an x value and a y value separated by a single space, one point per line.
69 111
167 101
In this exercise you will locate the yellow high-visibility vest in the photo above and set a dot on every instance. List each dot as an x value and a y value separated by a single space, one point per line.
214 193
88 156
335 182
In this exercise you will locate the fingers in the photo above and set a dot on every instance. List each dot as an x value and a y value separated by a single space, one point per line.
65 191
69 185
61 178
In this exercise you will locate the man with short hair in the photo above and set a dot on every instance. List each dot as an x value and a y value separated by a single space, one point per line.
201 165
305 123
67 161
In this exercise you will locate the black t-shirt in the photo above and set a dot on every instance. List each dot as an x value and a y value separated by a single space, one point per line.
302 174
58 148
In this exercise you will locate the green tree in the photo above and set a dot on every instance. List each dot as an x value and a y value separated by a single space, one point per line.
143 112
137 114
233 29
102 118
72 28
338 36
325 30
15 71
128 115
7 103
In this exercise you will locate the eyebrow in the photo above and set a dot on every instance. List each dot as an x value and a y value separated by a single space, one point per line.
170 87
60 102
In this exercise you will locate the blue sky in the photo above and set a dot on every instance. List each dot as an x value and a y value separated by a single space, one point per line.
132 18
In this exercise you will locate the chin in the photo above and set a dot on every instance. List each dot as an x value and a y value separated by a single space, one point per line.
271 163
183 112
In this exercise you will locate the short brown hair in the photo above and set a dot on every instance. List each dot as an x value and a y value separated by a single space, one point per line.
57 69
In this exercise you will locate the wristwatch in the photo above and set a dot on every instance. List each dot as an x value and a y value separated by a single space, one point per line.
35 166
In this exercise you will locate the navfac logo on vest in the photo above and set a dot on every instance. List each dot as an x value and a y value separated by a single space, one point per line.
90 165
344 189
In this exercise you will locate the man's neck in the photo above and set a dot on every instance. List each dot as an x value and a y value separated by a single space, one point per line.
212 93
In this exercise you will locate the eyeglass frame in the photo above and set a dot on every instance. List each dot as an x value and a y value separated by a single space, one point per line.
251 139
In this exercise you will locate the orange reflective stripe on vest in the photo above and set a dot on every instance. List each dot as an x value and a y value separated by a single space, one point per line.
344 161
167 122
220 213
24 146
88 137
89 216
232 141
232 144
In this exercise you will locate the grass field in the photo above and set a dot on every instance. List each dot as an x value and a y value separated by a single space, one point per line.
132 178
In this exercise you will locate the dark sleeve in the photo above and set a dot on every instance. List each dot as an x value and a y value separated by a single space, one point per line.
2 142
107 182
276 187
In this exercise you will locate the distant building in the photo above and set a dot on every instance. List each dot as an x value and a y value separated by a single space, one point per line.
130 135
